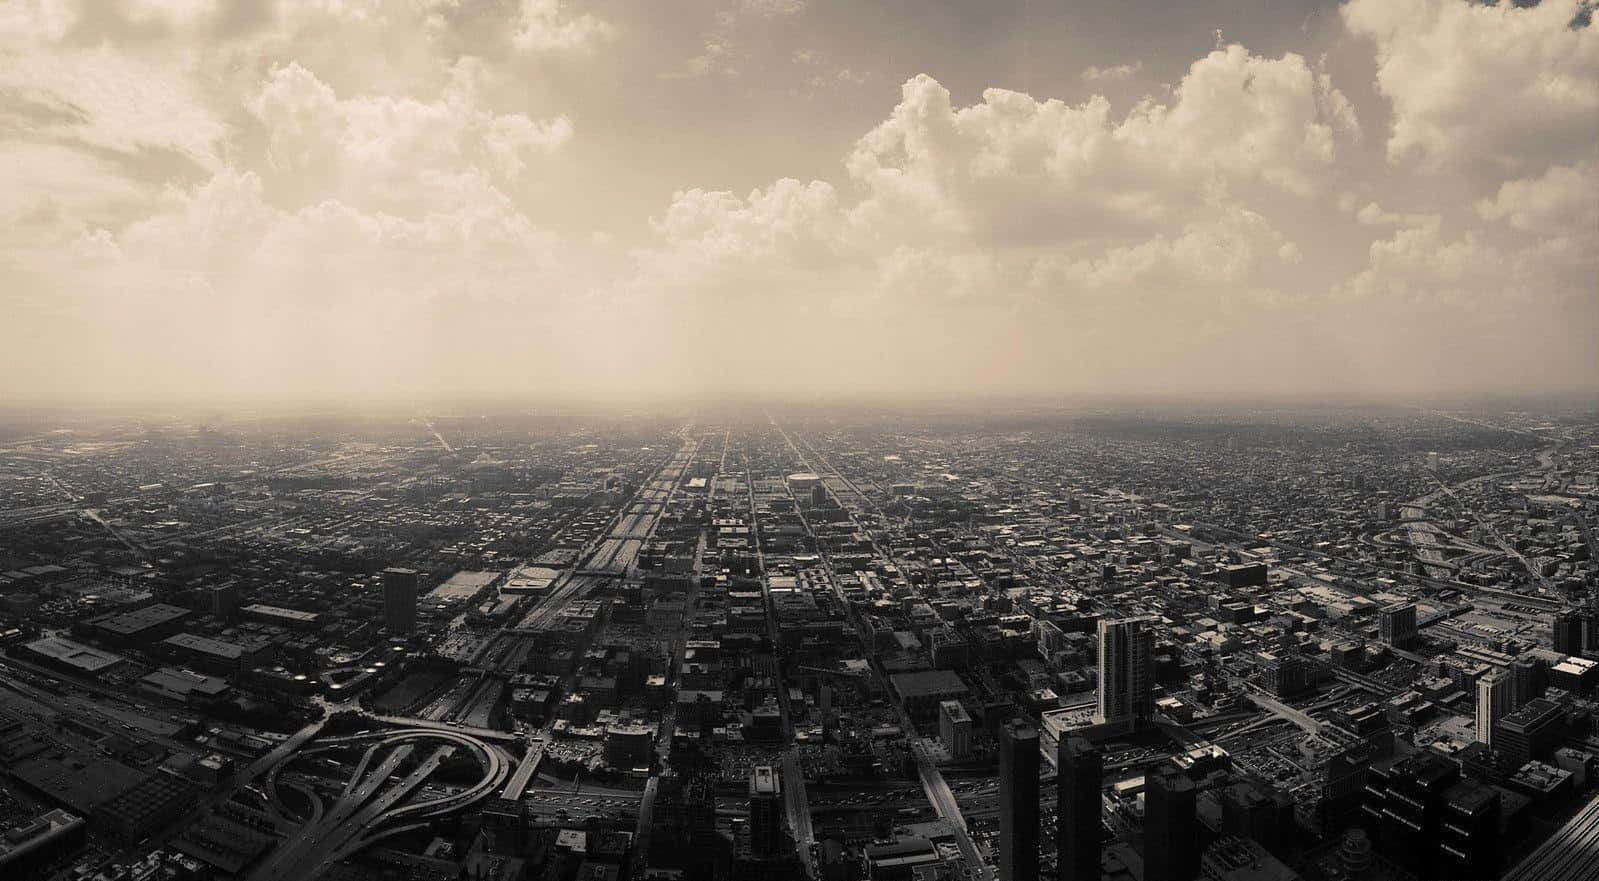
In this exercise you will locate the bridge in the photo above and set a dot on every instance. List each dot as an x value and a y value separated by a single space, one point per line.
371 797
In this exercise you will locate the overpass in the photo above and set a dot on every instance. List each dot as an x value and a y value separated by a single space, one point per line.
371 798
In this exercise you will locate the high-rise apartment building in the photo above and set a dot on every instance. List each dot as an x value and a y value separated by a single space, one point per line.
1496 698
1126 666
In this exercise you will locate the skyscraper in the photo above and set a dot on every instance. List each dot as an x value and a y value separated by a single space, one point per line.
1468 834
1126 661
399 600
1018 801
1431 822
225 601
1496 698
955 729
766 811
1171 825
1080 768
1568 632
1397 624
1529 733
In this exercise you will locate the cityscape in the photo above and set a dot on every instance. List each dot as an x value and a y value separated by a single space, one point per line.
557 643
799 440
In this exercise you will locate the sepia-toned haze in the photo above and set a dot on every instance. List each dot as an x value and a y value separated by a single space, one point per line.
393 198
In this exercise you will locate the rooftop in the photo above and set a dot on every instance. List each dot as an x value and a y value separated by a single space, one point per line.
927 683
280 612
65 651
139 620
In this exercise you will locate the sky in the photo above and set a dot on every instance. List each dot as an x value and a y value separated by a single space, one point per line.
405 199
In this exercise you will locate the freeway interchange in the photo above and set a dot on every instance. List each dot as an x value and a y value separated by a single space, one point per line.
378 793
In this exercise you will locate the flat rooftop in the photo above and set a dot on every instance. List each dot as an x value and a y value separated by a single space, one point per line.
205 645
185 682
927 683
74 654
764 781
463 585
139 620
280 612
955 710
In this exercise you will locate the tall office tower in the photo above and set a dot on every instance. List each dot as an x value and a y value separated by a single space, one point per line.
1171 825
1398 625
1080 771
1018 801
225 601
766 811
1431 822
399 600
1530 679
1496 698
1530 732
1126 663
1568 632
1468 845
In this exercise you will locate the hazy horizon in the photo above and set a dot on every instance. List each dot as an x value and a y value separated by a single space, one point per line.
1390 201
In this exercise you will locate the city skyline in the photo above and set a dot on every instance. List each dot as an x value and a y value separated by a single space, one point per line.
799 440
383 200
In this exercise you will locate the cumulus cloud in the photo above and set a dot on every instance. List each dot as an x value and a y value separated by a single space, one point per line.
357 196
387 150
543 26
1559 202
1014 168
1506 86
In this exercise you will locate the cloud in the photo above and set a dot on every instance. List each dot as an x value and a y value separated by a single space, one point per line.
389 196
723 49
1560 202
542 26
35 22
391 152
100 98
1501 87
1015 168
1115 72
1374 215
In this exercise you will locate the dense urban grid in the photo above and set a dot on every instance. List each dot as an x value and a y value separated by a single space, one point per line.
563 643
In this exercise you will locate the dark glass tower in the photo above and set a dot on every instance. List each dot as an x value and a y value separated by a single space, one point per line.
1171 826
1081 771
1018 801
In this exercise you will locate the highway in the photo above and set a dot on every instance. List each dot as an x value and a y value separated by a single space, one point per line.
370 798
285 860
525 770
1282 710
614 554
321 854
